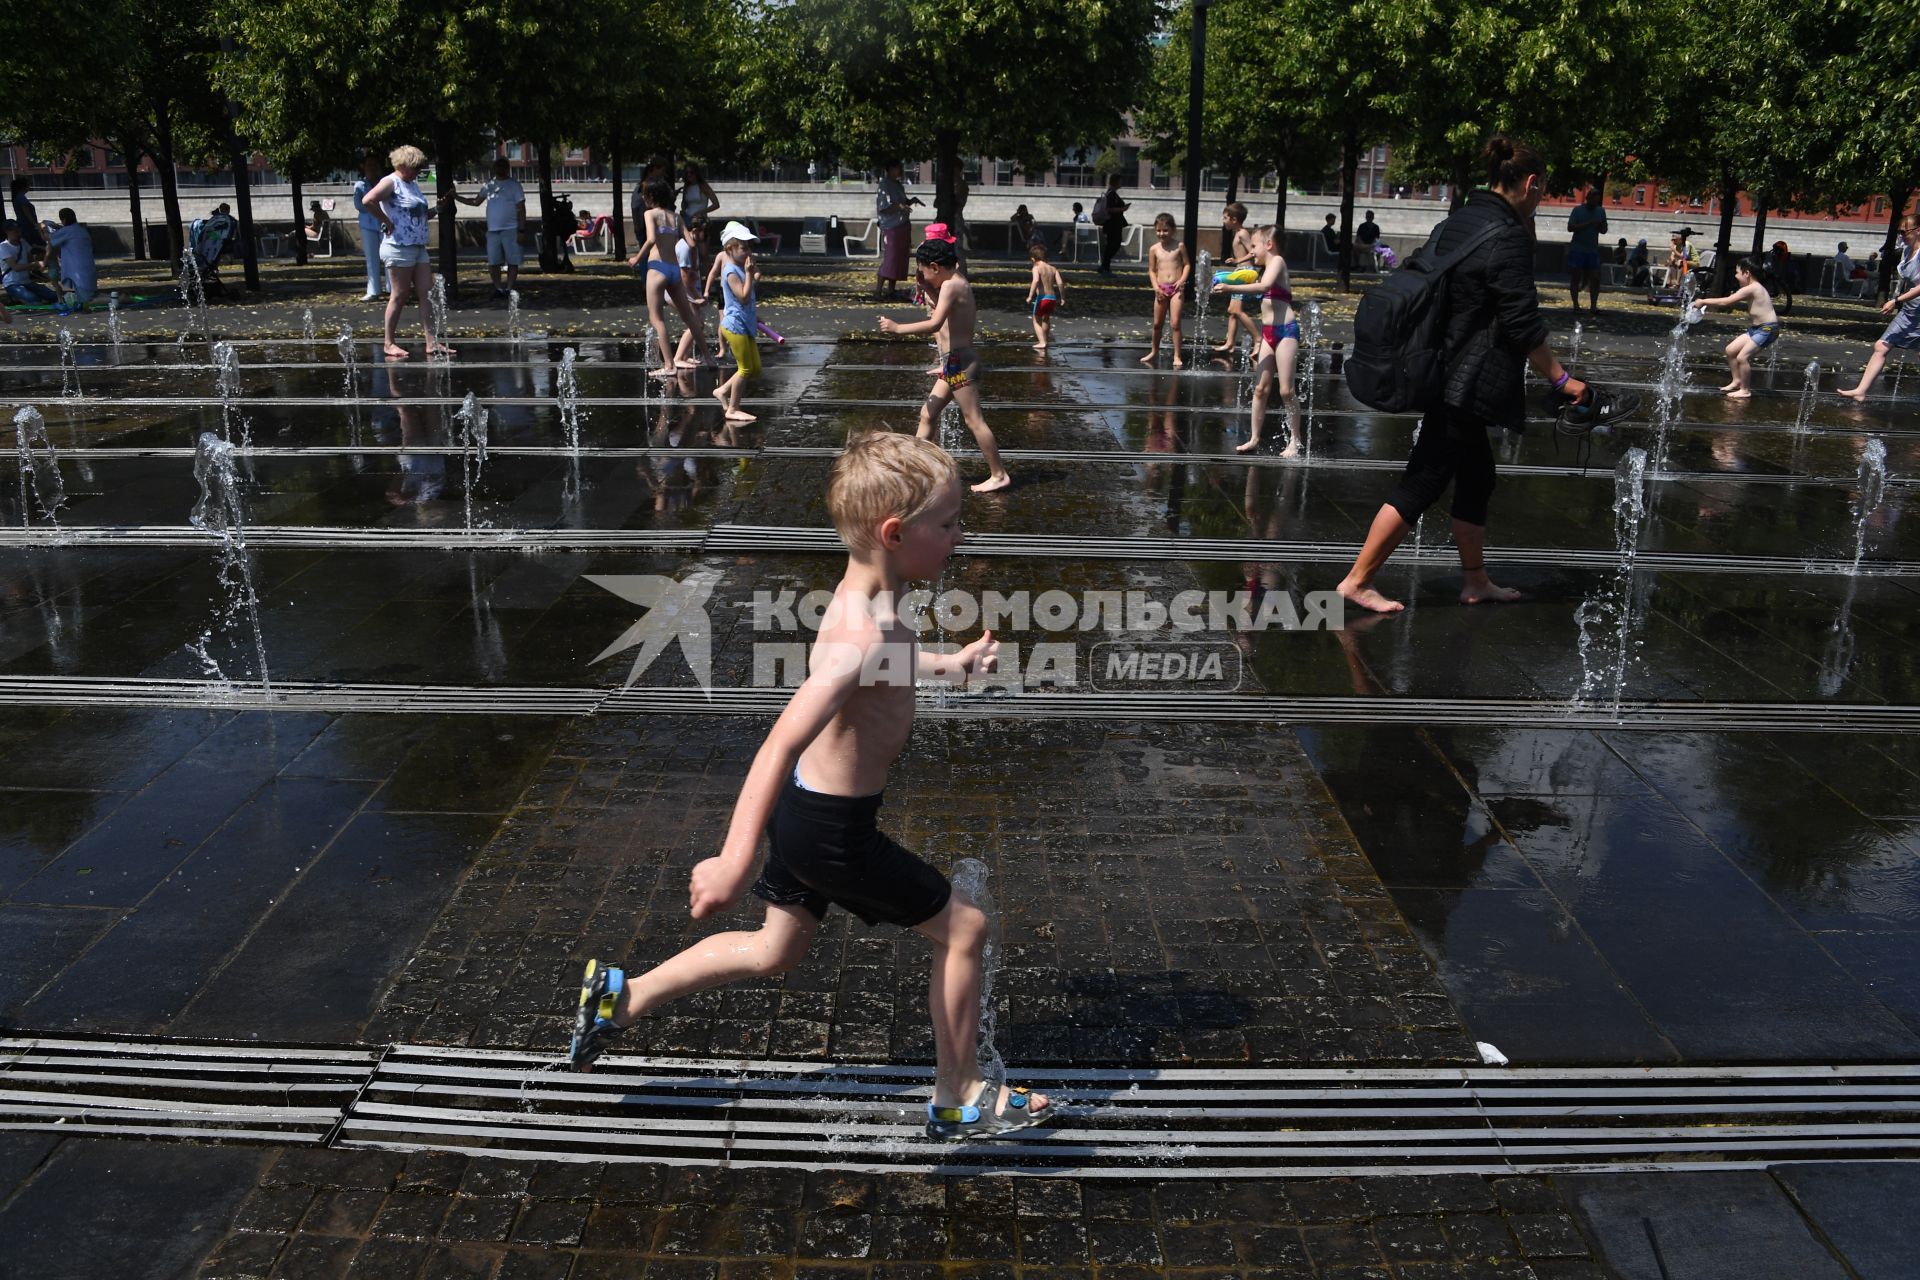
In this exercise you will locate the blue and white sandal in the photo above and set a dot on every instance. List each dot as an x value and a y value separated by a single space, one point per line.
975 1120
594 1029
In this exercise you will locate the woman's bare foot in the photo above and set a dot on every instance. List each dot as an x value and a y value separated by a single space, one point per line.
1856 394
1367 598
992 484
687 364
1178 363
440 349
1151 356
1225 348
1293 448
1248 447
664 372
1485 591
397 353
1740 394
1730 386
739 415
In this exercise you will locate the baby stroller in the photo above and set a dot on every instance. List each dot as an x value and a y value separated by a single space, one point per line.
207 240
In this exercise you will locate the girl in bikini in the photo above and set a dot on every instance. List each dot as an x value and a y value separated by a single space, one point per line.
1279 349
662 270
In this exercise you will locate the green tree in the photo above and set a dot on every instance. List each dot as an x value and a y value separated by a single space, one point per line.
1865 99
1019 79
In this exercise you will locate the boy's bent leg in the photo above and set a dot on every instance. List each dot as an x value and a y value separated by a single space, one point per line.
611 1000
959 935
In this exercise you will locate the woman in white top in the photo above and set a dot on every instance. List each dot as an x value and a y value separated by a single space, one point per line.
402 212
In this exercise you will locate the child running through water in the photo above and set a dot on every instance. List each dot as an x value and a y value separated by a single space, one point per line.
1278 352
1045 292
815 789
959 373
737 321
1763 322
1239 253
1167 271
659 252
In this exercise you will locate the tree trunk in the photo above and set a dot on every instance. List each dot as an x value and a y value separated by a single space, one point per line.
946 167
1890 250
162 154
449 211
1723 247
551 236
1233 193
299 217
1349 167
619 207
1280 208
133 156
1759 250
1457 188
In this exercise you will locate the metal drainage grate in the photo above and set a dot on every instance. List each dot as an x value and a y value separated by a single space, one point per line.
177 1090
1146 1123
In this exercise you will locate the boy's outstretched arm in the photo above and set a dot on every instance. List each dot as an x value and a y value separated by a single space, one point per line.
983 655
932 323
717 882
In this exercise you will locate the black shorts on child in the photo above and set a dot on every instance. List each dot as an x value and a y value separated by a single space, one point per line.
828 849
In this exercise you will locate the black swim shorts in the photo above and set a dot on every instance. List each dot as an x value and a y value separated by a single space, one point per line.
827 849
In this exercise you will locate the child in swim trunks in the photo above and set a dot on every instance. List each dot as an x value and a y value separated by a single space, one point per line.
1168 272
1044 291
815 789
952 322
1763 326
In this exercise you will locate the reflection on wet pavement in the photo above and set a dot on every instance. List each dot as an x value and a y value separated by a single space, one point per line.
1576 894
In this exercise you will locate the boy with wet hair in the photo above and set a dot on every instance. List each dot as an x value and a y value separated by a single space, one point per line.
816 785
952 322
1044 292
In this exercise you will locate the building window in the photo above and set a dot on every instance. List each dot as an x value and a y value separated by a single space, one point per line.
970 169
1003 173
514 151
1159 179
1640 195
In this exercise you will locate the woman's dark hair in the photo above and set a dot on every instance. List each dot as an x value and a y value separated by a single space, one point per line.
659 193
1508 162
694 172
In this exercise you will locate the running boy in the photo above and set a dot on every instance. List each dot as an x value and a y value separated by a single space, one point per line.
1044 292
737 319
1763 326
1167 271
952 326
816 785
1239 253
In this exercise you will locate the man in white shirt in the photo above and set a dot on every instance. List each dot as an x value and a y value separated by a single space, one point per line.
72 246
506 202
1843 268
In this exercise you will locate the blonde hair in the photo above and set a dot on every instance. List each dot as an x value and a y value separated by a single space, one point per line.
409 155
881 474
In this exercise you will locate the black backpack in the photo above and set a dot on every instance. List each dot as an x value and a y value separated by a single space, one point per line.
1399 361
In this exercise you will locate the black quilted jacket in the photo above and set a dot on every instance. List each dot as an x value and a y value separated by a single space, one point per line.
1493 311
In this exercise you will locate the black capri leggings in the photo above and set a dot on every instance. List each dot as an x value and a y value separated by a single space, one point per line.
1450 447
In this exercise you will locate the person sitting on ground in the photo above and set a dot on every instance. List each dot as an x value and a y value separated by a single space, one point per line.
72 261
1639 265
16 275
1022 228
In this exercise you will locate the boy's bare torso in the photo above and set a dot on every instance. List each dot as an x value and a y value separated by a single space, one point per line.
956 335
854 752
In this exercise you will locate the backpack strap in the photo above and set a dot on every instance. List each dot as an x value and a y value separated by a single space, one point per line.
1459 255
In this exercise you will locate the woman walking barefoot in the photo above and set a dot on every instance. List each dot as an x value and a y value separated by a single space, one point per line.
1903 306
1277 351
402 212
1493 321
662 270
